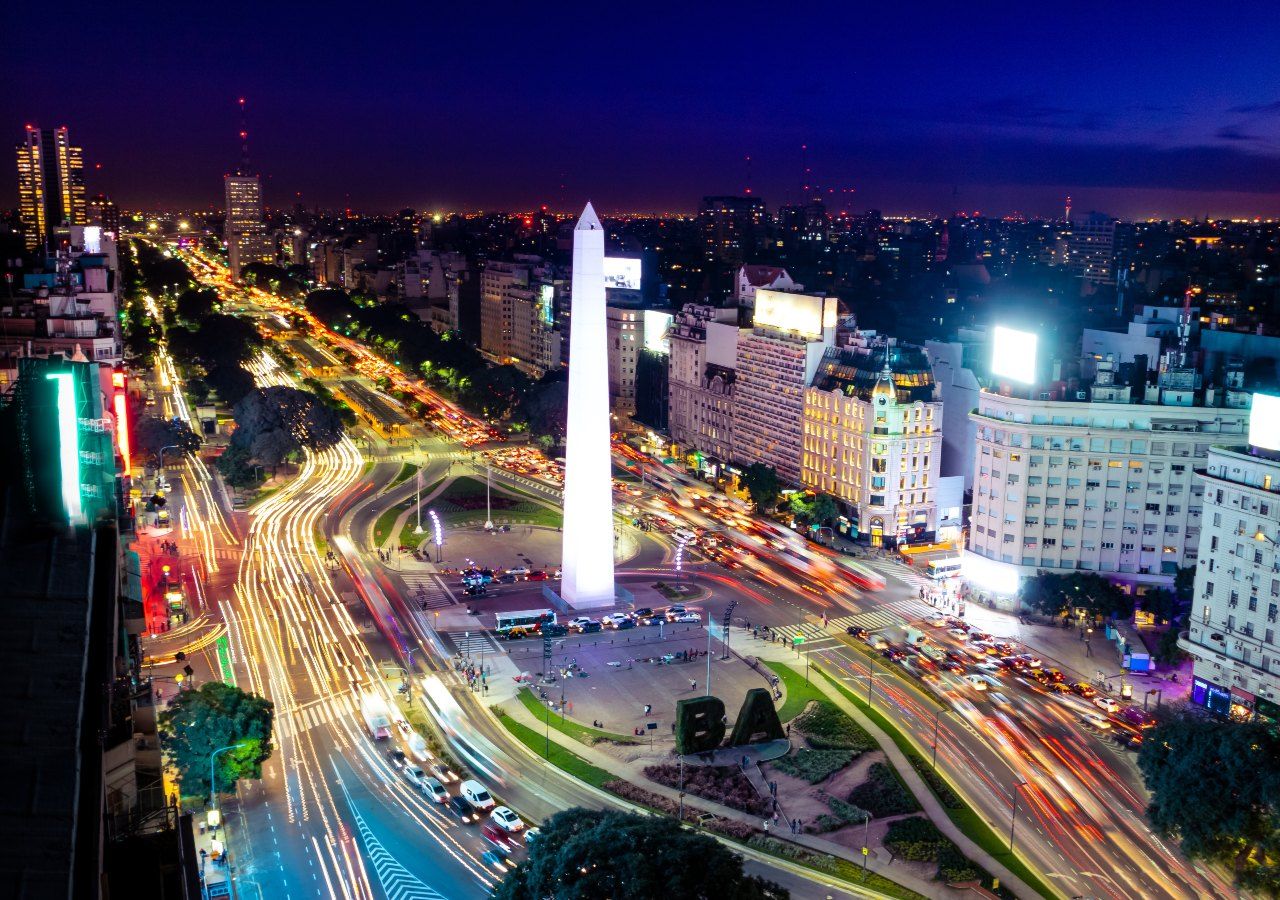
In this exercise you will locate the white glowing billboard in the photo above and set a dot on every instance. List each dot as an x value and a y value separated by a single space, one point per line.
622 273
657 325
1264 422
802 314
1013 355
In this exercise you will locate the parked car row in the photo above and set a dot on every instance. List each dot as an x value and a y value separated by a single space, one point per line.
621 621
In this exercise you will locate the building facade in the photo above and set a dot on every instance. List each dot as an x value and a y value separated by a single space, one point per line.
501 284
244 231
872 440
1107 487
50 184
704 347
1235 612
625 327
776 362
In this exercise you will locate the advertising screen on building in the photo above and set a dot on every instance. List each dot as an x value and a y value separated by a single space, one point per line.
621 273
1013 355
1264 422
656 326
801 314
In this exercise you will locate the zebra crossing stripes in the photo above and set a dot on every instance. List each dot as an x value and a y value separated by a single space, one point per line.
398 883
471 642
426 590
304 718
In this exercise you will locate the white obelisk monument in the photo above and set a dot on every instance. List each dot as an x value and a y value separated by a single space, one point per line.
587 555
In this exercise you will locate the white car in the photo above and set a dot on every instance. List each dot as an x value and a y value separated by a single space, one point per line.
475 792
415 775
531 834
580 622
614 620
435 790
958 633
936 621
506 819
687 617
1107 704
977 682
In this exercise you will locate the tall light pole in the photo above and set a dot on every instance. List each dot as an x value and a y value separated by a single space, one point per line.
437 531
488 511
417 502
1013 822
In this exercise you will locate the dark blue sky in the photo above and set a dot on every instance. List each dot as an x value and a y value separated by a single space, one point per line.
1139 109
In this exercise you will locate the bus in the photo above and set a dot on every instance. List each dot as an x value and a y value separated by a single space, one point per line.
941 569
529 620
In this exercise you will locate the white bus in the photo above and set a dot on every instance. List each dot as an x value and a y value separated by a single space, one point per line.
529 620
940 569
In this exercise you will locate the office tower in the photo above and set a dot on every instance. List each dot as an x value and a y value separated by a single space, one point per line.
704 349
587 555
1091 251
244 232
872 439
1235 605
776 362
104 213
625 335
50 183
501 285
732 227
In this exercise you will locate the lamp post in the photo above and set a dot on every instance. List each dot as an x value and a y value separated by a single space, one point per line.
417 501
936 713
866 844
213 779
437 531
160 453
1013 822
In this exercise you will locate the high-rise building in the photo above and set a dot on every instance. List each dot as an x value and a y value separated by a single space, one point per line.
704 349
872 439
501 284
625 329
1091 251
1235 607
104 213
245 233
732 227
776 362
50 183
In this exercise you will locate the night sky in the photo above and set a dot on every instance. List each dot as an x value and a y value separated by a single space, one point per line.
1137 109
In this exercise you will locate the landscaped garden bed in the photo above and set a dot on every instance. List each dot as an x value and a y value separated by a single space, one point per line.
721 784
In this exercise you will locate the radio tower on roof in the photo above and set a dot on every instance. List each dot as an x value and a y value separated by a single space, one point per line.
244 142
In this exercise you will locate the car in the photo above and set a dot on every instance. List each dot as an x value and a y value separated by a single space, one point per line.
415 775
989 666
477 794
1055 675
506 819
893 653
856 631
397 758
592 628
578 622
958 633
688 617
1084 689
936 621
475 590
537 576
556 630
977 682
1030 660
435 790
615 620
443 772
405 728
531 834
495 859
518 570
1138 718
675 610
498 836
1107 704
506 578
625 624
1093 720
643 612
461 807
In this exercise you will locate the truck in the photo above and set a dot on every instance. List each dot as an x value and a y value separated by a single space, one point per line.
376 717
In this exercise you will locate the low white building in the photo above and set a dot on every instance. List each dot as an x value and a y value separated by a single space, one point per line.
752 278
1235 612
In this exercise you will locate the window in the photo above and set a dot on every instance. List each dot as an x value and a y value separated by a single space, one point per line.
1108 545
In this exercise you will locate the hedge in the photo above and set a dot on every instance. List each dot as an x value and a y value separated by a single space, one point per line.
813 765
827 728
882 794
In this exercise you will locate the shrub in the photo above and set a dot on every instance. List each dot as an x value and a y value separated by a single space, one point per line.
814 765
947 797
846 811
827 822
827 728
916 839
663 804
722 784
882 794
954 867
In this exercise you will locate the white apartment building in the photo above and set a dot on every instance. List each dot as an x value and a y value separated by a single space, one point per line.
873 440
1236 604
704 347
1106 487
244 232
1091 250
625 328
501 284
776 362
535 340
752 278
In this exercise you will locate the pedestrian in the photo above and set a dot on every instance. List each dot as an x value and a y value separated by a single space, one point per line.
648 708
693 685
766 826
788 729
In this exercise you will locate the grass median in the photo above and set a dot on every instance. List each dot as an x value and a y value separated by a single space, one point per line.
798 691
965 817
569 727
558 756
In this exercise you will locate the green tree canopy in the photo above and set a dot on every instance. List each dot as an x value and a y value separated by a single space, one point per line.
231 382
197 304
816 510
1215 787
275 423
545 407
762 485
1162 603
606 853
150 433
217 715
1052 594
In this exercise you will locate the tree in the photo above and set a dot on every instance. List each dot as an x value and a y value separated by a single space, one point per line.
1168 652
816 510
217 715
1215 787
236 468
624 856
761 484
231 382
195 305
1162 603
1052 594
1184 582
545 407
150 434
275 423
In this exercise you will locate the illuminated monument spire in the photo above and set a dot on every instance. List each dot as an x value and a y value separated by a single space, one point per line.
587 554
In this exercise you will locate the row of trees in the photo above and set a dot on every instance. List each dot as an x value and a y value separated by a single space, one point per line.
275 425
1052 594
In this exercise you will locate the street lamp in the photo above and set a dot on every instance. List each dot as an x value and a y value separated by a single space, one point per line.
1013 822
213 781
936 714
437 532
1261 536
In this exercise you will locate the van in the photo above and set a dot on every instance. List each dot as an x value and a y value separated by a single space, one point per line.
475 792
877 641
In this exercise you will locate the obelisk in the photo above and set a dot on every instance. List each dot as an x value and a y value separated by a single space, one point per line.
587 554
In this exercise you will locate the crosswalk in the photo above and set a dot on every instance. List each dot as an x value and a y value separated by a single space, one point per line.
905 574
304 718
471 643
426 590
890 615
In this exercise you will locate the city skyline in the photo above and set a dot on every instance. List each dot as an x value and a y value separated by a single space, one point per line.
929 116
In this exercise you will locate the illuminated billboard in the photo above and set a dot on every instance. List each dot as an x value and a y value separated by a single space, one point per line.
1264 422
546 303
1013 355
657 325
801 314
621 273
